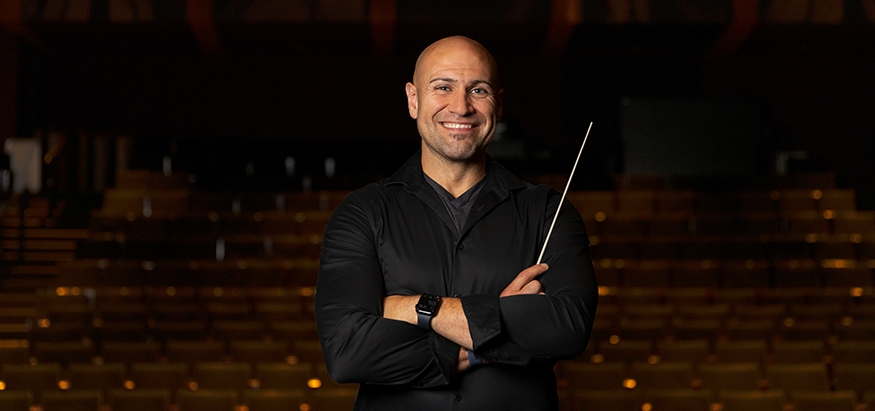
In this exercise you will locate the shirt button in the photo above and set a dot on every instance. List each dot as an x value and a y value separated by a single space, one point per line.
460 246
458 397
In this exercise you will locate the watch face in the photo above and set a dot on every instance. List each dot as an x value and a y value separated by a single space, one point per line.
428 304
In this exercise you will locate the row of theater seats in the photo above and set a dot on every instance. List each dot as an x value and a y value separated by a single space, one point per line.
611 272
128 196
649 202
657 374
711 351
20 351
145 399
708 399
753 222
173 376
284 321
207 224
251 274
814 247
731 274
95 306
138 244
714 328
721 278
598 205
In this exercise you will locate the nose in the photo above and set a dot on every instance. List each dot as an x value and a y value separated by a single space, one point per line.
460 103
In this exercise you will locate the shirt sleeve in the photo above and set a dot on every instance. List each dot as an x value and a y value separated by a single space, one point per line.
358 344
527 329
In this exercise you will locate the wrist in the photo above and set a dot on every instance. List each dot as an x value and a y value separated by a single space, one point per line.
474 360
426 309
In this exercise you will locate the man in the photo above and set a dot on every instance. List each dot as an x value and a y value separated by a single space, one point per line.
427 295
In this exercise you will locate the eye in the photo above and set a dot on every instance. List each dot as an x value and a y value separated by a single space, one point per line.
442 88
480 91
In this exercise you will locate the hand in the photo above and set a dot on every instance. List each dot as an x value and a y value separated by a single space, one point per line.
525 282
462 361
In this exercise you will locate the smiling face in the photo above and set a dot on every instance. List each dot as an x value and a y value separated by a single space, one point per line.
455 99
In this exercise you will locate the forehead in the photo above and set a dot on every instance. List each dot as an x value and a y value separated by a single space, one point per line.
456 60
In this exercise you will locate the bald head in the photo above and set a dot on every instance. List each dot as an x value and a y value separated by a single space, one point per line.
455 50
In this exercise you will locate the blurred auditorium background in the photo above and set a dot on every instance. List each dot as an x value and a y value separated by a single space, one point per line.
169 166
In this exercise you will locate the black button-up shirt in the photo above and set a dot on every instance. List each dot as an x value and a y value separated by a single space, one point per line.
395 237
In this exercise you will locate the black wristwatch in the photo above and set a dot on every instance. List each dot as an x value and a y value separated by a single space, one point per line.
426 309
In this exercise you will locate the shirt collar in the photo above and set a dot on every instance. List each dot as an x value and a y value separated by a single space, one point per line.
410 175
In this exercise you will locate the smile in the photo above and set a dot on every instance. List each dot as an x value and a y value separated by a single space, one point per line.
457 125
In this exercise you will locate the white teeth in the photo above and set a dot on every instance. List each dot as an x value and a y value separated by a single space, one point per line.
456 125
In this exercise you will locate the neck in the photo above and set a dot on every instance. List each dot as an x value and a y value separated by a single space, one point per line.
456 177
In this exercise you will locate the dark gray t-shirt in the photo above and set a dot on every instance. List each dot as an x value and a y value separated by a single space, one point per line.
458 207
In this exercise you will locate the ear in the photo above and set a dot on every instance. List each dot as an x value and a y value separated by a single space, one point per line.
499 104
412 102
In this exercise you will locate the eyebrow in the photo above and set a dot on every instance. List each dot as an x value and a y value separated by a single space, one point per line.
452 80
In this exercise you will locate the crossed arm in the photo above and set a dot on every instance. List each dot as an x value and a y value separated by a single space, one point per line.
450 321
363 331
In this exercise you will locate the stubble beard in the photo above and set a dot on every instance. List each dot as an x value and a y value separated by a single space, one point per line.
457 148
453 147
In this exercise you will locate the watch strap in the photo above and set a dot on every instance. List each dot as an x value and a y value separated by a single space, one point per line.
473 360
423 321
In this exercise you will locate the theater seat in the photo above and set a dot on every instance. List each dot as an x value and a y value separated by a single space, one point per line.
799 351
16 400
856 377
625 350
584 375
809 376
752 400
329 399
37 378
274 400
685 399
734 376
102 377
696 351
824 401
741 351
73 400
207 400
283 376
142 399
14 351
669 374
222 375
169 376
607 400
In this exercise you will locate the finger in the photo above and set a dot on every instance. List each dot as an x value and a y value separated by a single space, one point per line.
527 275
533 287
524 277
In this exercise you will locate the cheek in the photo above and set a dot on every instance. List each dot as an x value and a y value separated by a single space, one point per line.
488 109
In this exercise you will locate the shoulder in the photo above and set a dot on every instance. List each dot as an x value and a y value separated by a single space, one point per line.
537 193
504 179
373 193
371 199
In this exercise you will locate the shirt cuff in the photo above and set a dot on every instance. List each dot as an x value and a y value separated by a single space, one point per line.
446 354
484 317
